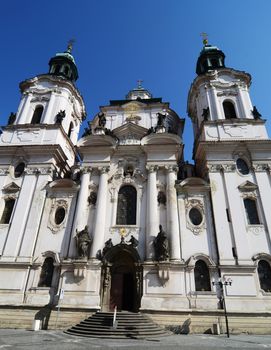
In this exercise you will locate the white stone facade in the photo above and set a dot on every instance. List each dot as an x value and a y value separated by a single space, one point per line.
135 145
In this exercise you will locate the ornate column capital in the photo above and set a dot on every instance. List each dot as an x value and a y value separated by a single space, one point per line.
171 168
103 169
261 167
151 168
85 170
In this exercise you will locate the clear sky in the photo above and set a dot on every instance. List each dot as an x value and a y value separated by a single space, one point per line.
121 41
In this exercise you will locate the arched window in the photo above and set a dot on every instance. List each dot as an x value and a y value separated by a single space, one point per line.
66 70
47 272
251 211
70 129
229 110
264 273
37 115
57 69
126 213
6 215
202 277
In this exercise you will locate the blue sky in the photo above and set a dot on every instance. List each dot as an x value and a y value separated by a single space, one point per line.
121 41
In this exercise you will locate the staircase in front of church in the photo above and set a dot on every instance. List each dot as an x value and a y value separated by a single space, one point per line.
129 325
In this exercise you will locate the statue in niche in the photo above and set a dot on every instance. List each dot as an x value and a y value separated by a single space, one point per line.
60 116
206 113
161 247
161 198
11 118
160 119
133 241
92 199
129 170
83 242
107 246
256 113
102 119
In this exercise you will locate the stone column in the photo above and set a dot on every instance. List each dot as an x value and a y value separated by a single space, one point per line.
99 227
26 114
20 214
152 224
48 118
215 104
172 214
81 218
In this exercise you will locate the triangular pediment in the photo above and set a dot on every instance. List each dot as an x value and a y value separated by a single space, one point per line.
130 131
247 186
12 187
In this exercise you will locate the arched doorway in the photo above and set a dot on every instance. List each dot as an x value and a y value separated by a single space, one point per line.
122 279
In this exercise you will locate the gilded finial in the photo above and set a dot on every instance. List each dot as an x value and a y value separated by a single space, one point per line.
204 38
70 45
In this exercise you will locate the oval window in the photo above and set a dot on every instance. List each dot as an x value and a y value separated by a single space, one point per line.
242 166
19 169
195 216
60 215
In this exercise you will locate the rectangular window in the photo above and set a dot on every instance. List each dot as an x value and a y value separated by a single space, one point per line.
251 211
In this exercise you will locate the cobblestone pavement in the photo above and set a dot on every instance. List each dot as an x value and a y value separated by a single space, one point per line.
54 340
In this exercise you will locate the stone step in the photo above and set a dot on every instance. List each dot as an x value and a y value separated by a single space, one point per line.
133 325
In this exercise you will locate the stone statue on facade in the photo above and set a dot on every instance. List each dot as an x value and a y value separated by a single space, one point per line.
107 246
161 119
83 242
60 116
102 119
161 246
256 113
133 241
11 118
206 113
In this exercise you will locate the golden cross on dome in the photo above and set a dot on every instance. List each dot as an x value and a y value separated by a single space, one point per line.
204 38
70 45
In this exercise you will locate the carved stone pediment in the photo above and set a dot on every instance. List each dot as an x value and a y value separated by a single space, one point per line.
247 186
130 133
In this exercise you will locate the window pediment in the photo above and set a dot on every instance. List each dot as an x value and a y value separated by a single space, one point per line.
11 188
247 186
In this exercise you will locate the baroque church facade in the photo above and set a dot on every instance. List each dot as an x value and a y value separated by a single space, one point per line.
118 218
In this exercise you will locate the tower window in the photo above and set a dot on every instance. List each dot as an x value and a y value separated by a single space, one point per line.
264 273
7 212
70 129
19 169
242 166
251 211
126 212
202 277
66 70
47 272
37 115
57 69
229 110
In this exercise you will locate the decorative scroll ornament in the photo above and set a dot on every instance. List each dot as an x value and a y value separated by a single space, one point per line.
255 229
199 205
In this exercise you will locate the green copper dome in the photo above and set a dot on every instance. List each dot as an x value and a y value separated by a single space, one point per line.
210 58
63 64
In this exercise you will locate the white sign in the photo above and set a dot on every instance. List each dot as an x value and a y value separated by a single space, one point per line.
61 294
